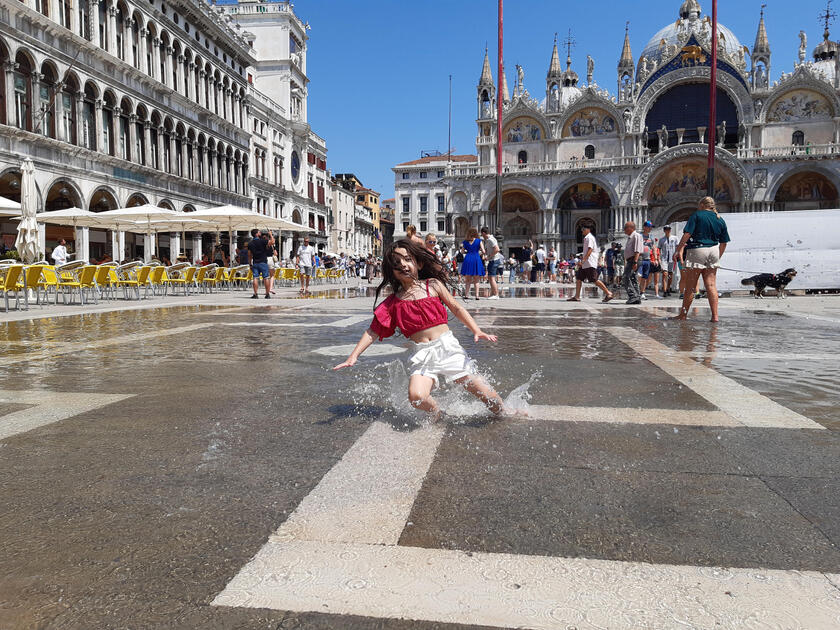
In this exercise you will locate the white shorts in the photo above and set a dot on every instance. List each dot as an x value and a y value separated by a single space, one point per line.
702 258
442 357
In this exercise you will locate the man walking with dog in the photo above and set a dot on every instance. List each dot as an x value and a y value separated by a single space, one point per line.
703 242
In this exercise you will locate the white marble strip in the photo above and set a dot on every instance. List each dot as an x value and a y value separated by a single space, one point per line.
745 405
48 407
518 591
367 496
74 347
558 327
621 415
765 356
340 323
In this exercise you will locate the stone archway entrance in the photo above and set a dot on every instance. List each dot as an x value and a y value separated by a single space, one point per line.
10 189
806 190
61 196
682 183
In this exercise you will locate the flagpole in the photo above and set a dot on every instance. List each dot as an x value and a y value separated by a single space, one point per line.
710 177
499 105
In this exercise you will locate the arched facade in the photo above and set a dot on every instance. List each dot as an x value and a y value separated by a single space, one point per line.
642 151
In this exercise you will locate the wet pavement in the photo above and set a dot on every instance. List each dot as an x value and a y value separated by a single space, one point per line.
197 465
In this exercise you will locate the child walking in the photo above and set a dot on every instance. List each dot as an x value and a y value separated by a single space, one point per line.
418 308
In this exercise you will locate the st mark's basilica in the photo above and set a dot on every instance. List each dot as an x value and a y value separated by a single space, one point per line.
580 155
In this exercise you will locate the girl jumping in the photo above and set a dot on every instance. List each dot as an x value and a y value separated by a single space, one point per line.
418 308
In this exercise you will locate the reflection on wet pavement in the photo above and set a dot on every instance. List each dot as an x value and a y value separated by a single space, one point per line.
202 429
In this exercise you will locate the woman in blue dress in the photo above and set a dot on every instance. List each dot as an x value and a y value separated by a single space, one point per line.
473 266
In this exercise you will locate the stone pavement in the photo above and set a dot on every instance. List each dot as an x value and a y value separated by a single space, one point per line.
195 464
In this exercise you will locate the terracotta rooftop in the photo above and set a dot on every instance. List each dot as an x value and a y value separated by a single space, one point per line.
441 158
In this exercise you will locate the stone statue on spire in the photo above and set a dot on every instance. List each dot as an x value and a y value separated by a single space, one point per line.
590 69
803 46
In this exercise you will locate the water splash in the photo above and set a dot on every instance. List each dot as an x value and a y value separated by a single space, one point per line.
389 388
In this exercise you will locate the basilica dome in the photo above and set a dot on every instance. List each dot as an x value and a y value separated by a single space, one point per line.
677 34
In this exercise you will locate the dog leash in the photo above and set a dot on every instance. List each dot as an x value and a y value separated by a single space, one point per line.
742 271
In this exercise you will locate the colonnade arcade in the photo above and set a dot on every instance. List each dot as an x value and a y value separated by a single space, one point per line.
127 34
120 127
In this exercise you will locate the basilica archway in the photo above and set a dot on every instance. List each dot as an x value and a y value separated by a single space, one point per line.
10 185
686 107
516 200
682 183
584 195
806 190
581 223
461 227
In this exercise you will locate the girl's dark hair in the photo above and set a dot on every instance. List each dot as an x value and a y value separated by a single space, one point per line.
428 266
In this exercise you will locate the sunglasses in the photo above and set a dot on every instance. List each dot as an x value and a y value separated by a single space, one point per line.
432 242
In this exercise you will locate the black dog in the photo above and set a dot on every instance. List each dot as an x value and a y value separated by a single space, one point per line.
776 281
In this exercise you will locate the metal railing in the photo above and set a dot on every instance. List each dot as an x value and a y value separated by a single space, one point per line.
582 164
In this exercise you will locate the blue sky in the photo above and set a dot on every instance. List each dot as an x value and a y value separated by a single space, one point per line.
380 69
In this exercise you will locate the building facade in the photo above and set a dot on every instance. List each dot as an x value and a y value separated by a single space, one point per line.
289 178
422 194
124 103
369 201
579 155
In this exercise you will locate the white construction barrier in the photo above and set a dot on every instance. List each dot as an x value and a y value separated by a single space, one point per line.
770 242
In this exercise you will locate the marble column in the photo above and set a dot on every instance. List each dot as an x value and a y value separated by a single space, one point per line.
174 246
9 67
156 45
172 167
134 154
115 129
141 49
201 97
148 247
184 172
112 28
98 132
79 118
82 243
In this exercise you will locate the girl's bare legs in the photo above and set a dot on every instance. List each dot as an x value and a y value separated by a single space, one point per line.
710 282
692 277
479 388
420 394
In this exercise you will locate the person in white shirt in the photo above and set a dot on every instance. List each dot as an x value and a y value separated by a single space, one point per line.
305 261
588 271
540 254
59 254
491 246
667 248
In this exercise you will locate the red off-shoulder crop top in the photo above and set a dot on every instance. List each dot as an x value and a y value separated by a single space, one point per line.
410 316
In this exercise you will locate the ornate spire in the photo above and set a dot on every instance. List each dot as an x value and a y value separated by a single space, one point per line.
690 10
626 53
505 93
762 44
486 74
554 69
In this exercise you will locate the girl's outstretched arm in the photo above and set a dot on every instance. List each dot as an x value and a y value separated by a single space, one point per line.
364 343
460 312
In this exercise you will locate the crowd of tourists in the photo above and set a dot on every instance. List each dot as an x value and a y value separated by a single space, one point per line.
644 265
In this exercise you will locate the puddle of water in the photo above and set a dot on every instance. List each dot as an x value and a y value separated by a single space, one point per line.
505 292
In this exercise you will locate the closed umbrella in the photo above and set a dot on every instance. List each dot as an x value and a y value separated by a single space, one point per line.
27 243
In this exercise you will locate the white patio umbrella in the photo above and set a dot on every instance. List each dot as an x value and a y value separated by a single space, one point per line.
9 208
233 218
126 218
27 243
75 218
182 223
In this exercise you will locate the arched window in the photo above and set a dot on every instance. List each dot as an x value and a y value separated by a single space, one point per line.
46 103
103 25
124 134
68 112
798 139
135 42
522 157
84 20
120 33
65 10
589 152
89 117
23 93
